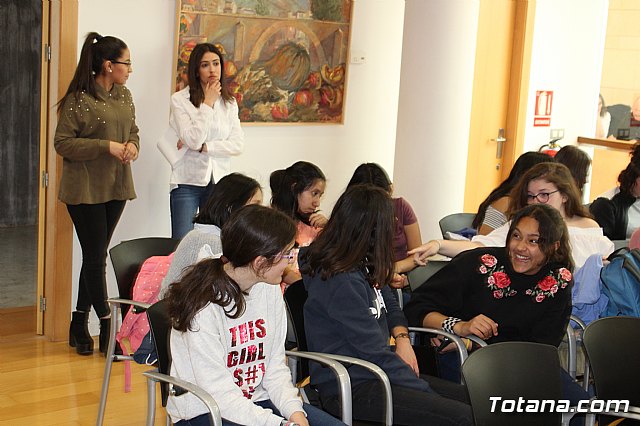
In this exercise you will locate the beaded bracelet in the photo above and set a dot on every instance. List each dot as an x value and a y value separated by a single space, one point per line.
449 323
401 335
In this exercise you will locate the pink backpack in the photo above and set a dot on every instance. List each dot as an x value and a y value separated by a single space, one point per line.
146 289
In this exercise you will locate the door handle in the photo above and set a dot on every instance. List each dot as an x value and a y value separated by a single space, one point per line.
500 140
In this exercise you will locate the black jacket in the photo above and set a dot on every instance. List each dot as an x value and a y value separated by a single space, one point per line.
612 214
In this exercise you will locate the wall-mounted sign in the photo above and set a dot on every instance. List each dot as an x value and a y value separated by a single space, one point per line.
542 115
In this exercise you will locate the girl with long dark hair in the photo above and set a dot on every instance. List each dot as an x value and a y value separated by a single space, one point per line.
492 212
351 311
97 137
296 191
232 192
204 115
229 326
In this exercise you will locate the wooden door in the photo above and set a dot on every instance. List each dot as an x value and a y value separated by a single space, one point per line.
499 94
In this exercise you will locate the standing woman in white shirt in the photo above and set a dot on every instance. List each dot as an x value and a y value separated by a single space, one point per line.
205 118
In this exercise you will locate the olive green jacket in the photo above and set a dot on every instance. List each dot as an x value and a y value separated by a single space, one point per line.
90 174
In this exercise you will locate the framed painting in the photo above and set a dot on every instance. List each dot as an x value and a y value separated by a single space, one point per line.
285 60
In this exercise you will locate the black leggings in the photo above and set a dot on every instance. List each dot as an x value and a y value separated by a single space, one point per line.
449 406
94 225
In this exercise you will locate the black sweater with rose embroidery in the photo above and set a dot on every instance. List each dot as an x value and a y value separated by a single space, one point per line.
531 308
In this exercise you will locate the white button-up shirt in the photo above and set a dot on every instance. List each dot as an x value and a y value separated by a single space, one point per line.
218 128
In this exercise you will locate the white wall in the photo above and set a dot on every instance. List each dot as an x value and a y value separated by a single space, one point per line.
438 55
368 133
567 52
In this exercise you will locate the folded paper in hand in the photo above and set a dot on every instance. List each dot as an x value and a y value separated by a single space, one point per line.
168 146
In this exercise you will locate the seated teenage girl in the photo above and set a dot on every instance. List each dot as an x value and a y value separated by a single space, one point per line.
229 326
351 311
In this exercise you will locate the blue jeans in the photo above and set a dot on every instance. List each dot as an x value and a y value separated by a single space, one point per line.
315 416
185 201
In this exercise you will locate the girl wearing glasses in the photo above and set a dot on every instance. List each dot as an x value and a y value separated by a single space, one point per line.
544 183
229 326
492 212
97 137
351 311
204 115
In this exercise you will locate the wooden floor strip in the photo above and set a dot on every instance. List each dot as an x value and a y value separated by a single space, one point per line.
47 383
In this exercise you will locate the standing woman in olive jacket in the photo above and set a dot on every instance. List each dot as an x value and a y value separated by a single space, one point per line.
97 137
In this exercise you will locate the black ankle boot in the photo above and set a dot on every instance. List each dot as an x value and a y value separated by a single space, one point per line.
79 336
105 330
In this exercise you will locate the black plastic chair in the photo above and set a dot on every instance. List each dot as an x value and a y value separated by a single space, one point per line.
295 297
455 222
127 258
421 274
160 325
513 370
611 345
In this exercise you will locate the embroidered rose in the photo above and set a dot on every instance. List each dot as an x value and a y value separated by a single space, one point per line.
565 274
498 282
502 280
547 282
489 260
549 286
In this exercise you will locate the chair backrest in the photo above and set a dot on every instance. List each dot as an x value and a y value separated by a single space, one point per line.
128 256
513 370
160 326
294 297
421 274
455 222
618 244
611 344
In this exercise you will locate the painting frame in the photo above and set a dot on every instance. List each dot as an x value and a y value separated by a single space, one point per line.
286 61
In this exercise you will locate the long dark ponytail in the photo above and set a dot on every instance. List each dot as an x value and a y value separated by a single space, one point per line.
251 231
95 50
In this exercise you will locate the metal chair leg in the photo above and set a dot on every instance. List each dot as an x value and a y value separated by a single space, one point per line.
151 401
111 349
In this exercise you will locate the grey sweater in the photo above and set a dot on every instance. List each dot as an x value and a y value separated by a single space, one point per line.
188 250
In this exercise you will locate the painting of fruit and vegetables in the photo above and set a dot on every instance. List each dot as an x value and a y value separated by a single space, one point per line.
285 60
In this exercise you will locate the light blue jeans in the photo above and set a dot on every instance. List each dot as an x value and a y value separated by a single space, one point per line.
185 201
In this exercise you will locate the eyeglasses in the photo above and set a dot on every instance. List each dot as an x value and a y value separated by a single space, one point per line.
290 256
127 63
542 197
